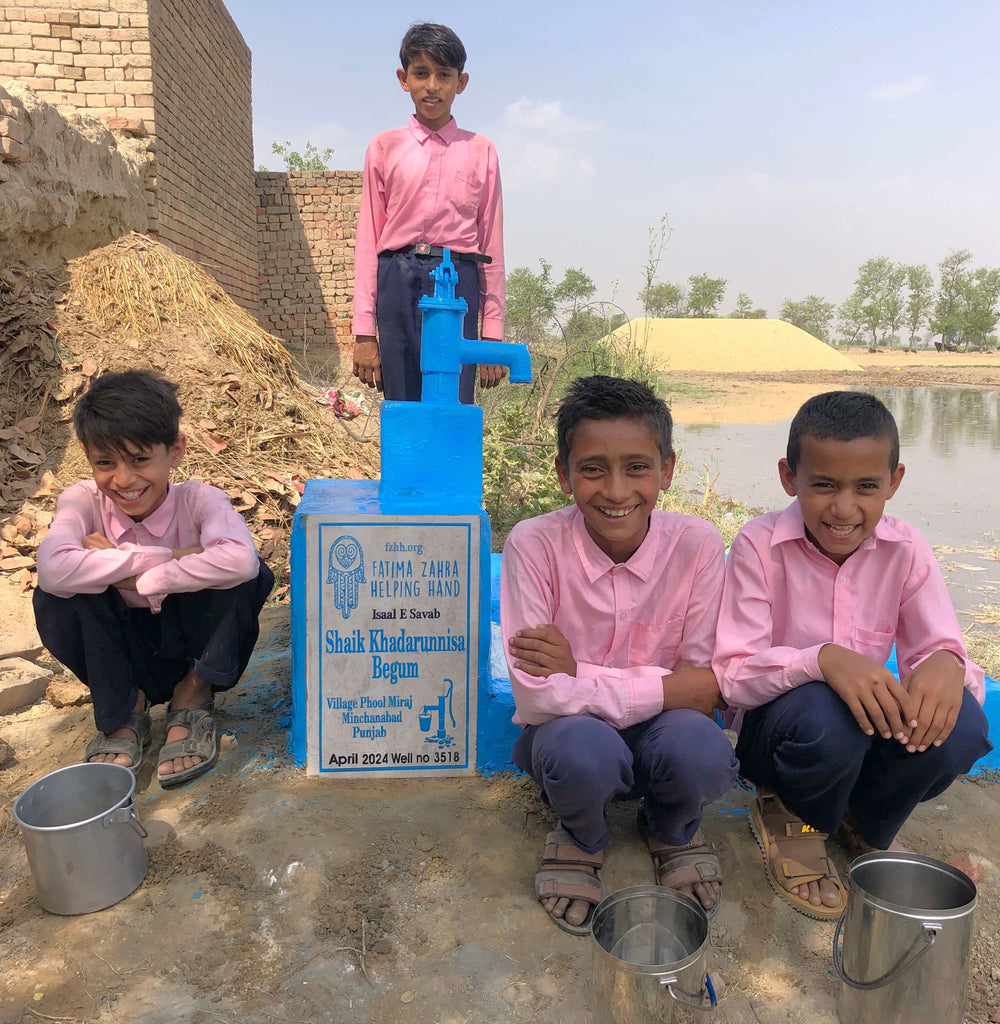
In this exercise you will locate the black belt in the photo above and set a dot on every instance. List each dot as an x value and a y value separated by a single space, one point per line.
422 249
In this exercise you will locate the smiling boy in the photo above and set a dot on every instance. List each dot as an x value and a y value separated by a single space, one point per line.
814 599
148 591
609 608
428 186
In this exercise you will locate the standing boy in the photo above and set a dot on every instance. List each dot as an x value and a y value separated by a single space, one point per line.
428 186
148 591
815 597
609 607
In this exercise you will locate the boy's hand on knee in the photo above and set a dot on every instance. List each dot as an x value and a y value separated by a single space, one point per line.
367 361
97 542
542 651
694 688
491 376
875 697
936 685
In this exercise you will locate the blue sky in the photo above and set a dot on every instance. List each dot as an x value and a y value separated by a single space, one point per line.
787 142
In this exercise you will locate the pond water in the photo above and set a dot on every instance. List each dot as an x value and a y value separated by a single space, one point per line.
949 443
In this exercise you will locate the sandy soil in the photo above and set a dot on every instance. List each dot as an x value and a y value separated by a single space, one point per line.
272 897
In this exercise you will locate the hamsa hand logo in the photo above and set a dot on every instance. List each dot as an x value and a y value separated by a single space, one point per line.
345 570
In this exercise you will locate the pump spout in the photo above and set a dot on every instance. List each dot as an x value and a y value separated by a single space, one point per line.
443 348
498 353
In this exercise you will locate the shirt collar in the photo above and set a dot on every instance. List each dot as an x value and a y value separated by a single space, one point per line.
791 527
422 133
596 563
156 523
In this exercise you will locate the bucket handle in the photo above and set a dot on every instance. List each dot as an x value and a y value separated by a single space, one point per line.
928 932
124 815
682 997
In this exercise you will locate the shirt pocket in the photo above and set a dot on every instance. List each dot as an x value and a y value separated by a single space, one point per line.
465 194
872 643
655 643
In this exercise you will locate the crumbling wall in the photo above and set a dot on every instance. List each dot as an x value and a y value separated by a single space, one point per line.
67 183
306 226
176 72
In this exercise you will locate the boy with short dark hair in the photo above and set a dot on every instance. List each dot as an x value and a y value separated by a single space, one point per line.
609 607
815 597
148 591
427 187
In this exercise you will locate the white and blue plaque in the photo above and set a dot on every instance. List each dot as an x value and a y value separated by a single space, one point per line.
392 620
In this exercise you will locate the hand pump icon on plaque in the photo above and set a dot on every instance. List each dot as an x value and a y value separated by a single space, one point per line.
441 738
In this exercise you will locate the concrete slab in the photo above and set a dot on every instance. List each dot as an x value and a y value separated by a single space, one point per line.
18 636
21 684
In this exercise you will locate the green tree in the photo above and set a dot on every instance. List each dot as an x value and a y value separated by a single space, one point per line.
919 299
980 295
952 277
574 290
745 309
704 295
531 304
310 159
812 314
850 320
664 300
877 296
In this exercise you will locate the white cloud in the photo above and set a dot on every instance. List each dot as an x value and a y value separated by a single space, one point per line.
526 114
538 141
902 89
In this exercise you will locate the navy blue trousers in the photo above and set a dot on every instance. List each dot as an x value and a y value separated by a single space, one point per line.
808 747
116 650
402 279
678 762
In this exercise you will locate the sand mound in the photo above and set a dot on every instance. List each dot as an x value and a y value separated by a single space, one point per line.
254 427
719 345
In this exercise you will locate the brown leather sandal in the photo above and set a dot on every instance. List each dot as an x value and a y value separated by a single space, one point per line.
772 823
570 873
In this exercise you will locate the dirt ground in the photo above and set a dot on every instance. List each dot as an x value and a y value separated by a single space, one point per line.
272 897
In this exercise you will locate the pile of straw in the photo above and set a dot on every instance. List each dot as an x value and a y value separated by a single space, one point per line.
253 426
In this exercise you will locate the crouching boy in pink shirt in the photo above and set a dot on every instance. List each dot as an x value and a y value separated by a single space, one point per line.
815 597
609 607
148 591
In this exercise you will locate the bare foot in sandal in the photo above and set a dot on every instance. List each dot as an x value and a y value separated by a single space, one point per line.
191 693
125 745
798 868
692 868
568 884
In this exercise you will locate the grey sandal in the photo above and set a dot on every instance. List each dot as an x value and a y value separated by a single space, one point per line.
141 724
201 741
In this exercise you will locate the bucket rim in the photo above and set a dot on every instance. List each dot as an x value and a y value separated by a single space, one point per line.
917 913
658 892
126 799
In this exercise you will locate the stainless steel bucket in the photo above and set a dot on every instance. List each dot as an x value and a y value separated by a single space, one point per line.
650 952
906 931
83 840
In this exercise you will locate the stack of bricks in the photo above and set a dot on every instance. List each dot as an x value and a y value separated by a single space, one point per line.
177 71
12 147
307 222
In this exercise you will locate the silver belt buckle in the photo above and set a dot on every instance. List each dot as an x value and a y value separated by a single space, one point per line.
423 249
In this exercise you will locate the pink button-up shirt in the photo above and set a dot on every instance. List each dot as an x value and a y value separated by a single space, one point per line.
628 624
439 187
783 600
192 514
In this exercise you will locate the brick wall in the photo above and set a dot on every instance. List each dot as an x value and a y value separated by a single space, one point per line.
204 140
177 71
306 224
